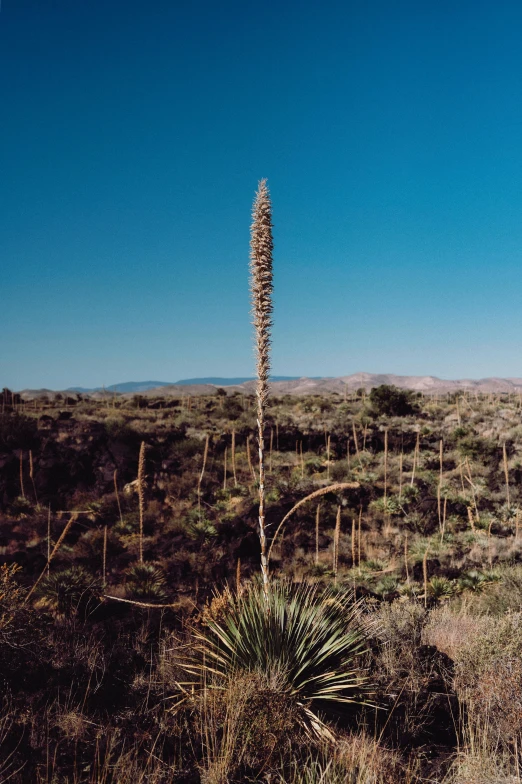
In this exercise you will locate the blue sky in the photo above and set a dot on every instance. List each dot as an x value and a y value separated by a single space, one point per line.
132 137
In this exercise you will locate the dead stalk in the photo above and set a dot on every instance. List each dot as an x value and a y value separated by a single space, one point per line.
317 518
141 493
234 457
337 533
22 473
385 463
425 575
261 287
55 550
117 493
202 474
506 471
316 494
104 560
31 475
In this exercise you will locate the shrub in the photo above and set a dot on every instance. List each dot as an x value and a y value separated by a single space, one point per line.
488 676
65 591
305 640
146 582
388 400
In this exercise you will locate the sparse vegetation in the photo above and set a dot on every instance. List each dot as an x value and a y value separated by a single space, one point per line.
139 643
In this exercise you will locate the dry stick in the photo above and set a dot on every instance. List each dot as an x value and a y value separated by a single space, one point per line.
225 471
238 577
317 518
506 471
117 493
249 458
441 457
337 532
328 459
353 541
359 538
31 474
416 453
425 575
261 246
234 457
406 557
470 518
277 436
141 493
202 474
141 604
400 475
444 519
22 473
55 550
489 545
355 440
48 537
104 559
461 477
365 433
385 463
473 487
458 411
316 494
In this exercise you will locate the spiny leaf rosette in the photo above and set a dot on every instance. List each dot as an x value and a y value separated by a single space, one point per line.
304 640
261 247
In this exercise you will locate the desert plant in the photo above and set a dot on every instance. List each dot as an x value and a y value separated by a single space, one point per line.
441 588
475 580
64 591
305 639
388 400
145 582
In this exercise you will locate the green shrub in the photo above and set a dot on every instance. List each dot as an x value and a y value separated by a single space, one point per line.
305 640
146 582
388 400
65 591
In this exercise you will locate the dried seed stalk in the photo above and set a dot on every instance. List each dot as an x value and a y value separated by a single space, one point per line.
337 533
117 493
141 493
317 518
261 286
55 550
316 494
506 471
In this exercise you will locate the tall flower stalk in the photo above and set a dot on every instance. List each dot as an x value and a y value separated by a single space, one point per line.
261 247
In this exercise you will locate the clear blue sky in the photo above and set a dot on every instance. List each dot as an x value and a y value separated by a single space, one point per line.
132 137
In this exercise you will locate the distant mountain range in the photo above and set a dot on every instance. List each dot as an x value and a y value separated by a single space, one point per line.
293 385
134 387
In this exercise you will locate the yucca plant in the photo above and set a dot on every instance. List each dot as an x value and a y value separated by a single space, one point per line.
64 591
476 581
303 639
146 582
441 588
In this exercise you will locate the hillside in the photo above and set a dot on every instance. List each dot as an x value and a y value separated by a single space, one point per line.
426 532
